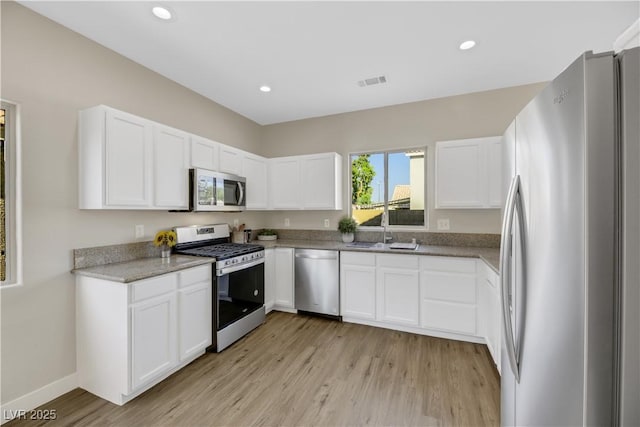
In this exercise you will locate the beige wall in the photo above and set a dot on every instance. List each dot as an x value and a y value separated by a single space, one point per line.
416 124
52 73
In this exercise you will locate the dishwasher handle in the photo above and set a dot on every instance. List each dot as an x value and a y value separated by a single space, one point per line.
316 256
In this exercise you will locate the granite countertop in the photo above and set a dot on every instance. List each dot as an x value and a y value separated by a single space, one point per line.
130 271
490 255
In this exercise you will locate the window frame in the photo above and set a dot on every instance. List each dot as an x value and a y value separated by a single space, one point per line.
13 195
386 153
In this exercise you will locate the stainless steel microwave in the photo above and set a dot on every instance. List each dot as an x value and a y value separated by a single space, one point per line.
215 191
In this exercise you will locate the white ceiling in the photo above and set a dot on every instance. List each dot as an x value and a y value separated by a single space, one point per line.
313 53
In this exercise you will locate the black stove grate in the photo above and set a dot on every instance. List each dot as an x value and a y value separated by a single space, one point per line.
221 251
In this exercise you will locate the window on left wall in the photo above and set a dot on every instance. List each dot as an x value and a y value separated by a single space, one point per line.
9 196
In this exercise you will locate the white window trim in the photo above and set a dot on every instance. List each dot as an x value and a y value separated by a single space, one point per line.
398 228
14 195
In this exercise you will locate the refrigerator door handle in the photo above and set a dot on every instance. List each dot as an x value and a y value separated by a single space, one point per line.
513 204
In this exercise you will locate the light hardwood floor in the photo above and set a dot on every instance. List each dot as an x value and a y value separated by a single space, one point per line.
298 370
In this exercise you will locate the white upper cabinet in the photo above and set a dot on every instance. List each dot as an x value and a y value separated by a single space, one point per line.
312 182
230 160
284 183
255 170
171 163
123 177
321 181
468 173
127 162
494 170
205 153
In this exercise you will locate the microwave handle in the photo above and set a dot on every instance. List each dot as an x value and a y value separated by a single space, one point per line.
241 190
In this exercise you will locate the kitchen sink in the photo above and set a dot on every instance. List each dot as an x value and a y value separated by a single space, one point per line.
365 245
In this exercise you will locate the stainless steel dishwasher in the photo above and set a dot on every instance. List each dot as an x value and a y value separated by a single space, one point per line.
317 281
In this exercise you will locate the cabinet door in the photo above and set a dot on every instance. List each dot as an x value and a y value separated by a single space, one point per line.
230 160
153 338
254 168
284 185
494 317
399 296
171 161
484 325
460 174
204 153
195 321
494 172
284 277
269 279
127 160
358 291
448 294
398 289
321 182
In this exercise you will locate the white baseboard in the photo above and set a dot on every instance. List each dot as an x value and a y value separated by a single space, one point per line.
21 406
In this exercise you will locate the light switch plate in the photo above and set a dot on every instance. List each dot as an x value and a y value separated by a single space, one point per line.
139 231
443 224
287 223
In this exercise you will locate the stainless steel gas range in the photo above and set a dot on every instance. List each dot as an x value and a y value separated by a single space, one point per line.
238 284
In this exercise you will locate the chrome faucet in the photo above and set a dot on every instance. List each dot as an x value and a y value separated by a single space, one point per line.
385 223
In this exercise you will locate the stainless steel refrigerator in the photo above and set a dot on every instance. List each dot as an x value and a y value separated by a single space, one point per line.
569 255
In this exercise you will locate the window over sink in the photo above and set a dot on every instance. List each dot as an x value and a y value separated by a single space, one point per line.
388 184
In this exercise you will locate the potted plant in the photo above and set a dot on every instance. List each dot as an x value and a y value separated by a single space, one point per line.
165 239
267 234
347 226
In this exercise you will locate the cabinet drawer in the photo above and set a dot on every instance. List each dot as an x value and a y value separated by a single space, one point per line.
357 258
449 264
398 261
455 287
148 288
448 316
195 275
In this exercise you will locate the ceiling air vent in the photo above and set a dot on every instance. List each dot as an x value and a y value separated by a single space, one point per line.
372 81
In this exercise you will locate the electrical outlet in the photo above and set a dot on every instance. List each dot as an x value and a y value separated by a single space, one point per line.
326 223
236 223
287 223
443 224
139 231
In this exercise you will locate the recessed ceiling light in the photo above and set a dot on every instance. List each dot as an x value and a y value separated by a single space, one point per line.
161 13
265 88
467 45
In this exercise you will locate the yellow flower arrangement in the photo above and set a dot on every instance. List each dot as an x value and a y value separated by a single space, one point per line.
165 237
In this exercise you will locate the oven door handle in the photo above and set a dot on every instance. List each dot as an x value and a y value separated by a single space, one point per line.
238 267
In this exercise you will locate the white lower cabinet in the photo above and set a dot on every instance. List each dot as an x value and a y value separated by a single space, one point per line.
448 294
130 336
284 279
430 295
358 285
398 285
489 310
194 306
269 279
153 338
